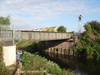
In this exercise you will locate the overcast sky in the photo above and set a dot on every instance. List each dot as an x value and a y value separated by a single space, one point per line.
32 14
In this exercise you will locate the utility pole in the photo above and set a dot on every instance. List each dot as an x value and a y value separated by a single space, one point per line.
80 23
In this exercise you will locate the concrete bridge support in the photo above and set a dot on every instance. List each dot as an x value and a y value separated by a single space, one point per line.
9 52
60 47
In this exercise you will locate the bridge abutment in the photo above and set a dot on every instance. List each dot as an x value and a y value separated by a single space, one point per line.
60 47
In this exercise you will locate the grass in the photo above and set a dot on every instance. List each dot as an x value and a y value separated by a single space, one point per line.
30 46
36 62
32 62
24 43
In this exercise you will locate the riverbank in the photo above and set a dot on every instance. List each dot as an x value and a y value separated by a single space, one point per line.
80 65
36 62
31 61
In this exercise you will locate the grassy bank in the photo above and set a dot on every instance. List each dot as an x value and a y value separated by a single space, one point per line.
36 62
31 61
30 46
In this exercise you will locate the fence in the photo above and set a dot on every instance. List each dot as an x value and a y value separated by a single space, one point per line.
9 32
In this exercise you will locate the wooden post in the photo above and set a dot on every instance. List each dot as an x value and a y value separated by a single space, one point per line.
73 52
49 50
18 71
61 52
68 51
53 50
64 51
57 50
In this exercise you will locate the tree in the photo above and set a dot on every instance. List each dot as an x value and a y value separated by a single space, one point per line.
95 26
90 40
5 20
88 29
61 29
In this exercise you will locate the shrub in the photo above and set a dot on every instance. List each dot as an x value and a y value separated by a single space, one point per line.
36 62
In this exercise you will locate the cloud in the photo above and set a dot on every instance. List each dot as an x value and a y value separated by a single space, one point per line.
40 10
41 6
94 10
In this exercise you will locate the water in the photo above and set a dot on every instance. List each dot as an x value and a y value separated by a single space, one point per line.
18 55
80 66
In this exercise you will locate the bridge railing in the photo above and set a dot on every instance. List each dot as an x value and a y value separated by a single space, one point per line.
12 33
9 32
41 36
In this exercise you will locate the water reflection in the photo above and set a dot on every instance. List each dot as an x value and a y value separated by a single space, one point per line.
81 66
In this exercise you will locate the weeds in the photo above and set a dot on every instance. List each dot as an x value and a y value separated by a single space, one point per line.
36 62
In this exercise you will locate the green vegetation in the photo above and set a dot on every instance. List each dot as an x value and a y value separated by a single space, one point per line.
30 46
90 40
36 62
0 52
61 29
4 20
3 70
24 43
0 46
32 62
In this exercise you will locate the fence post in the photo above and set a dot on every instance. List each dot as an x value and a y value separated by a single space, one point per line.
18 71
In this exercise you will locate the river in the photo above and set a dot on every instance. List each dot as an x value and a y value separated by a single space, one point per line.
80 66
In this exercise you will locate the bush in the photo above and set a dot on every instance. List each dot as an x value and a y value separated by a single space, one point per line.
3 69
36 62
90 40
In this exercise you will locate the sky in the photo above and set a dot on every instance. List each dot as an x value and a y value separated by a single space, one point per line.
33 14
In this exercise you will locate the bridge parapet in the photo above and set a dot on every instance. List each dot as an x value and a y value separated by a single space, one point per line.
42 36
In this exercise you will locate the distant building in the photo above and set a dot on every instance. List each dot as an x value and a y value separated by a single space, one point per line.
48 29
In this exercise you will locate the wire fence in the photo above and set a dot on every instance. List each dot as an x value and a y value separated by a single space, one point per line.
9 33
